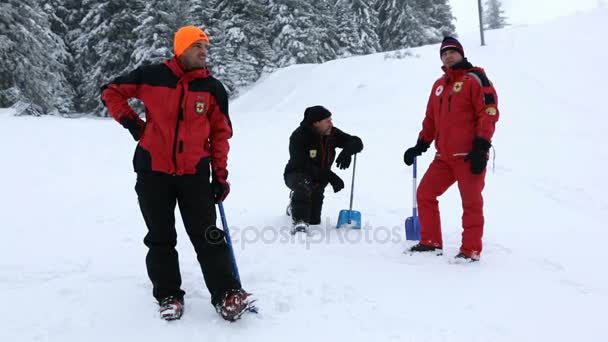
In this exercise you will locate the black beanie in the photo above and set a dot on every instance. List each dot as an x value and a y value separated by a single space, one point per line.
451 43
314 114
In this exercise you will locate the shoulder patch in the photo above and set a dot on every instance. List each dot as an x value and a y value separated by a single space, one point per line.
439 90
480 77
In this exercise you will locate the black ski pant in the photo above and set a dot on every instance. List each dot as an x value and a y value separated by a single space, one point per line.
306 198
158 194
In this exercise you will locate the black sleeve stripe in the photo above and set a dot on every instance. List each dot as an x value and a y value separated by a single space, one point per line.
154 75
221 97
481 77
488 98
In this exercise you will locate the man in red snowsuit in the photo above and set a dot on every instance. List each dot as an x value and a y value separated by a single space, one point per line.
460 118
182 144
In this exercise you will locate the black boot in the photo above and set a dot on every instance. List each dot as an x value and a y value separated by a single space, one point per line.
426 248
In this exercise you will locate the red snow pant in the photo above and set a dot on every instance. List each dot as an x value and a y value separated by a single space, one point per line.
438 178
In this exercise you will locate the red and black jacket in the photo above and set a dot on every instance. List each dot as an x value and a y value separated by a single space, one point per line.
462 105
312 154
187 125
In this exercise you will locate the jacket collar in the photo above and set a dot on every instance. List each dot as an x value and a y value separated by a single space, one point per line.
457 70
179 69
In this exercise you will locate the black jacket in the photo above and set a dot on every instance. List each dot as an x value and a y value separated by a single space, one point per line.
312 154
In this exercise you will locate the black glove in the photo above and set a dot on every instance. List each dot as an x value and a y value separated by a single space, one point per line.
343 160
134 126
478 155
336 182
220 188
412 152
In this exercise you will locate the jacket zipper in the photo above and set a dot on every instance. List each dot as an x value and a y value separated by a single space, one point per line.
323 154
450 103
180 117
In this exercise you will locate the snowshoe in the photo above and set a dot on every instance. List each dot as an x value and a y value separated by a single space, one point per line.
299 226
171 308
234 304
461 258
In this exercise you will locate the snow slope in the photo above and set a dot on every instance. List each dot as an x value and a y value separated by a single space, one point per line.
521 12
72 257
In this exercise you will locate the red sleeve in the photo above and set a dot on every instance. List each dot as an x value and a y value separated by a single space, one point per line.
221 131
485 104
116 94
427 134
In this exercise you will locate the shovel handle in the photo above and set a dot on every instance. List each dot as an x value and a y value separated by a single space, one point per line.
414 186
235 268
352 187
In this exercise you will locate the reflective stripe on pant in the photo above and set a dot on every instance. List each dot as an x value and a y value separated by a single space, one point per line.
438 178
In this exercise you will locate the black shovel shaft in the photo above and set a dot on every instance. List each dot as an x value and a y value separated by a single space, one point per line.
352 186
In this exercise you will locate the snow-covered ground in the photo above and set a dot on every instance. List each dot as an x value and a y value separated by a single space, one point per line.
72 258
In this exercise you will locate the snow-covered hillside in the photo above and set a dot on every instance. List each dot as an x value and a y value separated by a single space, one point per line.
72 258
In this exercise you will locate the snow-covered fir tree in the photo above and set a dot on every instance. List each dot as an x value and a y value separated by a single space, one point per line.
494 17
66 16
366 22
356 27
105 46
240 44
297 30
94 41
156 27
34 59
401 24
437 17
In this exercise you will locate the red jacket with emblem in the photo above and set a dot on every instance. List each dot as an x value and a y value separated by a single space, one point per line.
463 104
187 125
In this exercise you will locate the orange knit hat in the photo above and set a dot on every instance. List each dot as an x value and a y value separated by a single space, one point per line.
186 36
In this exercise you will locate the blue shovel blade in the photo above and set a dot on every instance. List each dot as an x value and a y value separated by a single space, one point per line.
353 216
412 228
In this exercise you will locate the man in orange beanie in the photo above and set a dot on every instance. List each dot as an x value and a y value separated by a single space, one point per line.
182 144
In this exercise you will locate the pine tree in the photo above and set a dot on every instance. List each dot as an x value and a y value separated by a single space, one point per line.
324 19
366 19
65 22
158 23
94 41
203 14
401 24
34 59
494 15
346 30
104 47
56 13
299 34
437 16
410 23
240 47
356 27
